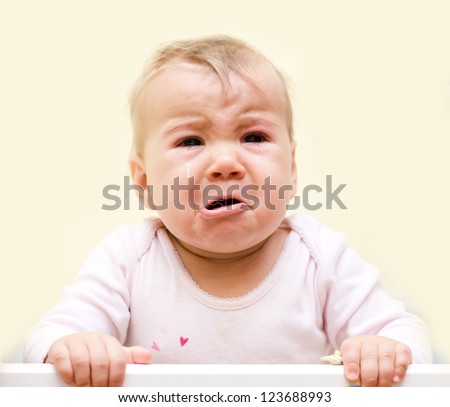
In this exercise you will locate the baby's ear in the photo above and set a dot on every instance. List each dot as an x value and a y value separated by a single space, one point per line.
139 176
137 170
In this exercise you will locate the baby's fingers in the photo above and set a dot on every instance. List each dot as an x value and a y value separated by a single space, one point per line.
351 354
107 360
99 360
117 362
79 356
138 355
59 356
71 360
386 363
402 360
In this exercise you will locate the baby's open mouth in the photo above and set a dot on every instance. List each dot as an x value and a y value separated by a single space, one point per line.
220 203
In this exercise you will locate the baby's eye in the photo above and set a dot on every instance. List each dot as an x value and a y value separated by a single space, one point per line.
254 138
190 142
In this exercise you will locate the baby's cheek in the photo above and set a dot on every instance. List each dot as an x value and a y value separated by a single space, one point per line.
188 171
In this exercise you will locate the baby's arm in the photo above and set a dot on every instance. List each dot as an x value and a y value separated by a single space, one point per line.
98 301
93 359
377 337
375 360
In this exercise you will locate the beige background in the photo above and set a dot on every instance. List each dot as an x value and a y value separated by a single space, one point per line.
371 92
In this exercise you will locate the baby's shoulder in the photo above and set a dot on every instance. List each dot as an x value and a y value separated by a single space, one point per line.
319 238
135 239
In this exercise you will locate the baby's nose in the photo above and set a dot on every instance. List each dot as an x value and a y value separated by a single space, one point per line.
225 164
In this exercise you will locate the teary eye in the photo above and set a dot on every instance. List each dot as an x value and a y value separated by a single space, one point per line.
190 142
254 138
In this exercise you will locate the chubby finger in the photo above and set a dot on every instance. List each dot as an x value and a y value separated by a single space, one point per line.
137 355
402 360
386 364
59 356
351 351
80 359
117 362
369 364
99 363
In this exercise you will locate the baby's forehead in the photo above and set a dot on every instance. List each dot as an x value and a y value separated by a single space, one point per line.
259 74
159 88
227 61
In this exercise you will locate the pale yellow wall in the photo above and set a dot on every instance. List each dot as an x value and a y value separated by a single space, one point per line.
371 90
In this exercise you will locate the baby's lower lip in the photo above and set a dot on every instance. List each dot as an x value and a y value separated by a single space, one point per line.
224 210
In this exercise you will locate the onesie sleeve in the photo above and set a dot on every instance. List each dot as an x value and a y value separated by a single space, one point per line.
98 301
354 302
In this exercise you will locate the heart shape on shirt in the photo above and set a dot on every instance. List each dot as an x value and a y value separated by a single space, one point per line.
183 341
155 346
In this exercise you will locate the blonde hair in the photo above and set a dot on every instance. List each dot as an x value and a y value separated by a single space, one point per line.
221 54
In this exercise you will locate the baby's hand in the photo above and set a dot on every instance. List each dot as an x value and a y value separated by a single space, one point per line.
375 360
93 359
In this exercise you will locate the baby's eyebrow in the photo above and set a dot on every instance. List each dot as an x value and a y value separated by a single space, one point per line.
255 121
184 123
199 123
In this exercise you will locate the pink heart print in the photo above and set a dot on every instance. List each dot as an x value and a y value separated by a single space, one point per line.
155 346
183 341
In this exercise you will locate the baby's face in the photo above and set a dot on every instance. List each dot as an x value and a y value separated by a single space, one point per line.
220 163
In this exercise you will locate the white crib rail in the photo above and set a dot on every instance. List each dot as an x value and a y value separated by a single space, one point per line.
42 375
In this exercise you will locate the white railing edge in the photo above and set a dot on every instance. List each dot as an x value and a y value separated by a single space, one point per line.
44 375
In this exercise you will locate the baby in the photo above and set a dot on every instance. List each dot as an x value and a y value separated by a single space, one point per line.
222 275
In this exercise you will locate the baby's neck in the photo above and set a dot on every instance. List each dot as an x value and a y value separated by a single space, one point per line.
232 275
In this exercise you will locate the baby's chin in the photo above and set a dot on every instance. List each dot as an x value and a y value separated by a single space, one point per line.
223 236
